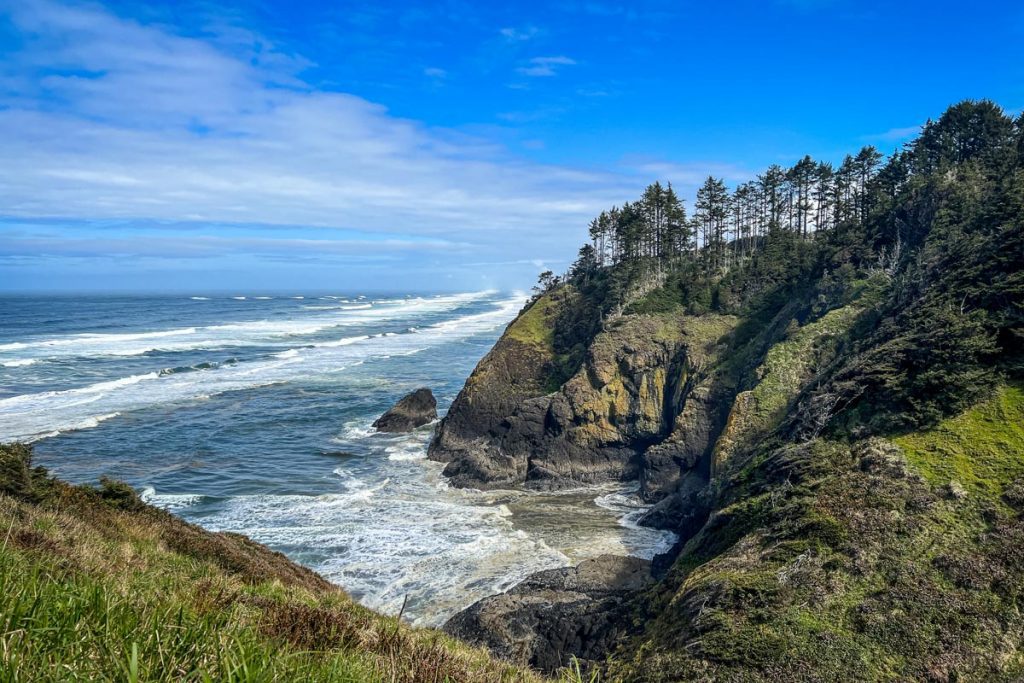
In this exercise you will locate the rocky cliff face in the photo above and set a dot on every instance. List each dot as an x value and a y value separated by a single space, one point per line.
801 556
642 406
673 401
558 614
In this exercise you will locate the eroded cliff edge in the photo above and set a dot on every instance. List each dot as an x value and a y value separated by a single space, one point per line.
643 403
833 423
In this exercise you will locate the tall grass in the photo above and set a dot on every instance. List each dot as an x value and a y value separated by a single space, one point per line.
96 586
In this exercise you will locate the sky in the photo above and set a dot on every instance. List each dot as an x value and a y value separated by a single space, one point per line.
430 146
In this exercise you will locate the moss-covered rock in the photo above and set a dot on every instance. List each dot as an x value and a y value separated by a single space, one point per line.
787 367
832 561
639 384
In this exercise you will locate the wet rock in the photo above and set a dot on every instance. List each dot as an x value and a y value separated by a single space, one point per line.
557 614
412 410
684 511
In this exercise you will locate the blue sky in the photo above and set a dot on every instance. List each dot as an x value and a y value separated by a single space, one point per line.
430 146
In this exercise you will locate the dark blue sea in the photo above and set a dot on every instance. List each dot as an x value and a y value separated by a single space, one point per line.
252 414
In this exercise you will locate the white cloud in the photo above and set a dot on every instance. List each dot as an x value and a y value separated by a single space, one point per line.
545 66
109 118
434 72
896 134
517 35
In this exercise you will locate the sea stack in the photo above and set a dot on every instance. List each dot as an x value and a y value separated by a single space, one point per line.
412 410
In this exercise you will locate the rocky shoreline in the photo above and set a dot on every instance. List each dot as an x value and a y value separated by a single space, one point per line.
556 615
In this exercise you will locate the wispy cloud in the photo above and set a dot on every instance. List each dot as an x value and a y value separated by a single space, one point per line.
435 73
895 134
109 118
519 35
545 66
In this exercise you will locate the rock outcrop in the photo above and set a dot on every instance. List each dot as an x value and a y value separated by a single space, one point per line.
413 410
642 406
557 614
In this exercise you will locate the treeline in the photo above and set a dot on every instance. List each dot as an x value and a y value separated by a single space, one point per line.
940 223
727 226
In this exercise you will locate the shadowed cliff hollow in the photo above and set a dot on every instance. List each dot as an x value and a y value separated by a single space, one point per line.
817 380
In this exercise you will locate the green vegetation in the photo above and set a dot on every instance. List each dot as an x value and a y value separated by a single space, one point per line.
535 325
828 561
935 234
786 368
97 586
981 450
878 299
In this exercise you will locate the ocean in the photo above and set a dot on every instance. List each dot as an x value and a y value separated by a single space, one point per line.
252 414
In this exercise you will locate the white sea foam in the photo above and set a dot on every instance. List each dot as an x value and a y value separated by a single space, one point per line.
86 423
19 363
626 503
443 550
227 335
200 298
406 451
354 431
173 502
34 416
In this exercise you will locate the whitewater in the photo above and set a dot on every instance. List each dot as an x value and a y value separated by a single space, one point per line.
251 413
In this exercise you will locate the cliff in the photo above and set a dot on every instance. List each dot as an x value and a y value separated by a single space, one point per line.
637 407
96 585
833 425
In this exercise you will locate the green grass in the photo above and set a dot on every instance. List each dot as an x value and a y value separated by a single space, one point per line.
981 449
97 586
535 326
787 366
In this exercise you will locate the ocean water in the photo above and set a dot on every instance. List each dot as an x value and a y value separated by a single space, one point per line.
252 414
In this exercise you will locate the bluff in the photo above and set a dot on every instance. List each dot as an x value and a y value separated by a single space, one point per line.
832 420
96 585
640 404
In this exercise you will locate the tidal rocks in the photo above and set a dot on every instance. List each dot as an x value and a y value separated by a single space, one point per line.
557 614
412 410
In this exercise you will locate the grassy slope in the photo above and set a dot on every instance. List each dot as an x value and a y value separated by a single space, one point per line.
981 450
525 355
830 561
96 586
534 326
786 368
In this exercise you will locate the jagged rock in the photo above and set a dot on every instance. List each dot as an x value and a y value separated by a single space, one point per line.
636 389
684 511
556 614
412 410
